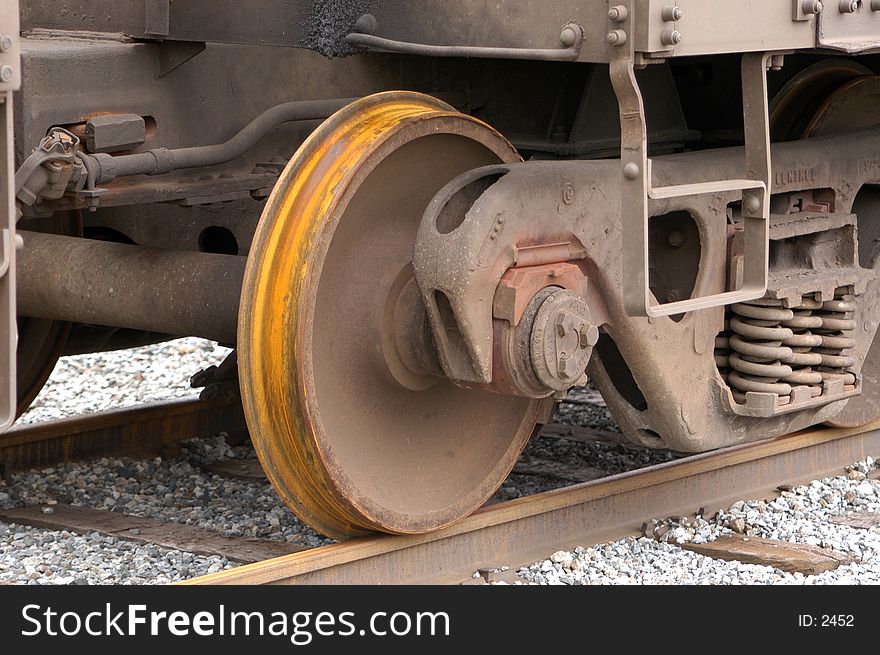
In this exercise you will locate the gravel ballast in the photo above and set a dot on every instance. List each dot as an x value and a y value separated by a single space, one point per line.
121 378
179 488
801 515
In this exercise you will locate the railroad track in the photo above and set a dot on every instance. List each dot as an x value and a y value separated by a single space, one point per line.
140 431
511 534
518 532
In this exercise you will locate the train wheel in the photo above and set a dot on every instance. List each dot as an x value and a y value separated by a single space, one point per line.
40 344
852 104
350 444
41 341
798 102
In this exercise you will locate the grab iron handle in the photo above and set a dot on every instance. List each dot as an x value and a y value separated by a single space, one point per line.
571 37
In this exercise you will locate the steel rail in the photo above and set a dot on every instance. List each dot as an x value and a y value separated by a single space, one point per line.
521 531
131 431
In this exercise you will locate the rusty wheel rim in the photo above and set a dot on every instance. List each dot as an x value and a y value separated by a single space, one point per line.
347 448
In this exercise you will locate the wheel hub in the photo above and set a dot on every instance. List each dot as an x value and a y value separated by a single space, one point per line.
562 340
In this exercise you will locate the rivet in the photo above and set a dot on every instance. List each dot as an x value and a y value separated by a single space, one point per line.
5 43
752 205
5 73
671 14
631 170
670 37
616 37
366 24
570 35
618 13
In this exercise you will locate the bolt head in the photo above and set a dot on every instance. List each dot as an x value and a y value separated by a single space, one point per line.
589 335
5 43
571 34
566 366
6 73
616 37
366 24
670 37
618 13
752 204
631 171
670 14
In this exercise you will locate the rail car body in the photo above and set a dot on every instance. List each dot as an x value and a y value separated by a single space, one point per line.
420 224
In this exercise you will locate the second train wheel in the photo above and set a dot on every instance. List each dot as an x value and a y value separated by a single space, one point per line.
854 104
348 447
41 341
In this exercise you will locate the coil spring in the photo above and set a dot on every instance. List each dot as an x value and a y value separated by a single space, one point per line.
769 348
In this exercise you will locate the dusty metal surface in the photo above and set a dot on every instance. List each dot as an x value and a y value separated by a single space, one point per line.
663 386
521 531
697 27
132 432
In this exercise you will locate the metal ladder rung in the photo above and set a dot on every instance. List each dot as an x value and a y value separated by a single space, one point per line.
700 188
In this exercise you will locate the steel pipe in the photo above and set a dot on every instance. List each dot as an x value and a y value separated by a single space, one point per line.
164 160
102 283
